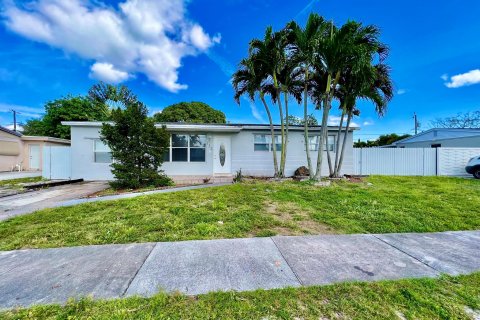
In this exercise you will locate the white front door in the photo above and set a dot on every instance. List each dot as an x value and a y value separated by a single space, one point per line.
222 157
34 162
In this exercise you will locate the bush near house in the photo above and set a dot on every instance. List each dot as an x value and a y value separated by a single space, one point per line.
137 146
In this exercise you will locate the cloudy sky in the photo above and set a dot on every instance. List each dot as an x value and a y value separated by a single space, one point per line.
168 51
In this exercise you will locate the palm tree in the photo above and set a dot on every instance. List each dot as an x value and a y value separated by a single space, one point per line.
269 55
301 42
340 49
374 84
248 80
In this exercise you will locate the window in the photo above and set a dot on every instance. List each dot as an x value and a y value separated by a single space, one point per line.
197 148
313 143
179 147
101 151
187 148
263 142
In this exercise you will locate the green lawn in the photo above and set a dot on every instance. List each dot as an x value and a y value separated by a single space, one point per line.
444 298
378 205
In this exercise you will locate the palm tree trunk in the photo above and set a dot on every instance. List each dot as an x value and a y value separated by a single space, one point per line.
321 142
282 130
337 146
340 161
305 125
330 90
329 157
272 132
286 132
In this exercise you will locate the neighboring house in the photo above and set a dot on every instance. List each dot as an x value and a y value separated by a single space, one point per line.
441 137
199 151
24 152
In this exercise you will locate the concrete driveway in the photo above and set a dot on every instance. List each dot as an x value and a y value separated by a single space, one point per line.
46 198
19 174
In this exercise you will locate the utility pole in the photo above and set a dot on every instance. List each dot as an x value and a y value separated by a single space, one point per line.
416 122
15 112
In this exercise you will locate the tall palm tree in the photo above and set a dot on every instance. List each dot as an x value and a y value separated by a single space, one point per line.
338 50
301 43
269 55
377 88
247 80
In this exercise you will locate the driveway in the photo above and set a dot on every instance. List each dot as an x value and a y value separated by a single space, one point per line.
17 175
46 198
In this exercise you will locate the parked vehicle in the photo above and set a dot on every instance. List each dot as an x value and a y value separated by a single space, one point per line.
473 167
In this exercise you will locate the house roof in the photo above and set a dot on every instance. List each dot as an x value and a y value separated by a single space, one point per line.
45 139
15 133
210 127
436 134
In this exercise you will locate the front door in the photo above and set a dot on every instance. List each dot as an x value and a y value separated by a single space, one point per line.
34 162
222 157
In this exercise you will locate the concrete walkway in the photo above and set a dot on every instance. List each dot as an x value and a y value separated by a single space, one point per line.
44 276
28 202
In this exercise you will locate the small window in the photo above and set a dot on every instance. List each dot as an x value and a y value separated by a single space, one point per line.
314 141
101 151
263 142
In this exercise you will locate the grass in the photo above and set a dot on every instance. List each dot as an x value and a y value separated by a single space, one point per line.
443 298
18 183
378 205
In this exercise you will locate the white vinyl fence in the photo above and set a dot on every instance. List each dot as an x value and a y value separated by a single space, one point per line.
56 163
412 161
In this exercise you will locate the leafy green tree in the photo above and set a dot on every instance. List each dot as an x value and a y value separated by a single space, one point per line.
297 121
69 108
137 146
383 140
193 112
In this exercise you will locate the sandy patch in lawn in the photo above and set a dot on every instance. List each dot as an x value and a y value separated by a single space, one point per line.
295 220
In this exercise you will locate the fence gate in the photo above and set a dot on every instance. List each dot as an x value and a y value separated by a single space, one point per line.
56 163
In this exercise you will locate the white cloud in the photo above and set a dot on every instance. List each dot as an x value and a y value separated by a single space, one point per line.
444 77
401 91
368 123
106 72
465 79
334 121
140 36
23 111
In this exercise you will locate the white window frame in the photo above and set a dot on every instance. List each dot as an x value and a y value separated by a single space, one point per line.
268 143
315 145
188 147
95 151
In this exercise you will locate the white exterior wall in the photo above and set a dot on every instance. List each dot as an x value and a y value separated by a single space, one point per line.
256 163
260 163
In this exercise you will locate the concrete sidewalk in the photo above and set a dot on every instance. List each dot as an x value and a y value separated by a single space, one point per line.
44 276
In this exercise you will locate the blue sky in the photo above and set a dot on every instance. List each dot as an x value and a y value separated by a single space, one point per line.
169 51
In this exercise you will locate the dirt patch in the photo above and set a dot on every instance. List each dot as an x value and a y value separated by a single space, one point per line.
295 220
355 179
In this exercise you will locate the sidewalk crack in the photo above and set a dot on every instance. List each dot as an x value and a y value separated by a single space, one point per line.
138 270
408 254
286 261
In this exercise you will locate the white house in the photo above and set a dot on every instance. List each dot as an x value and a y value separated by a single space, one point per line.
199 151
441 137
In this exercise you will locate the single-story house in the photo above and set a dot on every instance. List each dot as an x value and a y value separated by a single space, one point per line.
199 151
441 137
20 152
